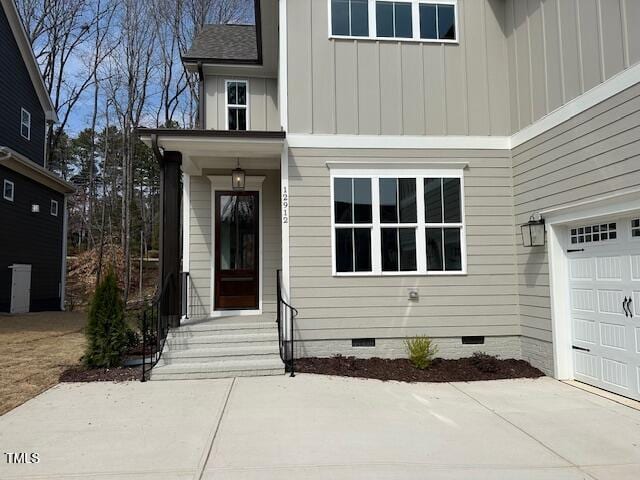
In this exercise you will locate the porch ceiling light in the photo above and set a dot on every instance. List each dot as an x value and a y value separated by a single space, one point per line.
533 232
238 178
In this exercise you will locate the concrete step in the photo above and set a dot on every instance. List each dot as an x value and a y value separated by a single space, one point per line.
235 352
218 369
177 340
213 326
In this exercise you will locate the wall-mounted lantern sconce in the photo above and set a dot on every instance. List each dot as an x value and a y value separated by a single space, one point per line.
35 208
533 232
238 178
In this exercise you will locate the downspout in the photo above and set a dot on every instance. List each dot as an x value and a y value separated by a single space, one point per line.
63 275
201 100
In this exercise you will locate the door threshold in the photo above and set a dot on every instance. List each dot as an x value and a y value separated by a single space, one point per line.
614 397
235 313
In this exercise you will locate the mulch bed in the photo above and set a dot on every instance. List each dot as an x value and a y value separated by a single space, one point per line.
478 367
121 374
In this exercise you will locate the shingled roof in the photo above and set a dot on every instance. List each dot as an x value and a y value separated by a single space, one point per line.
224 44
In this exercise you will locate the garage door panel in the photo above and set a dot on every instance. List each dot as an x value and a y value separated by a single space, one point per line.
635 268
581 269
613 336
638 340
636 301
609 268
583 299
615 373
586 365
585 330
610 301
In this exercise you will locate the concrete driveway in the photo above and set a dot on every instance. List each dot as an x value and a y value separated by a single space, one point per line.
316 427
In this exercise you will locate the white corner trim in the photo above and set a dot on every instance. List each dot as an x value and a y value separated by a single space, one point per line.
283 79
398 141
368 165
614 85
186 222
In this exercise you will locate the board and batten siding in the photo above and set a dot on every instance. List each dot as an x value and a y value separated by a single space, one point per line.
595 153
484 302
340 86
263 102
202 249
559 49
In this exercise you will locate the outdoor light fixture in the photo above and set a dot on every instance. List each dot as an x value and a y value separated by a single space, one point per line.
533 232
237 177
35 208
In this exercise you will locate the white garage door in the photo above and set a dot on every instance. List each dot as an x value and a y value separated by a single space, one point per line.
604 278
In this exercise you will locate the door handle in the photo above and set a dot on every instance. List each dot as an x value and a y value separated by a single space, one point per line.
624 307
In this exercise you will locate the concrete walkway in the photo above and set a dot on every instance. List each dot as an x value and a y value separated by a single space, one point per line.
316 427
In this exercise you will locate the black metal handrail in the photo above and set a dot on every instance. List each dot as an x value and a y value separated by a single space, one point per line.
155 327
287 357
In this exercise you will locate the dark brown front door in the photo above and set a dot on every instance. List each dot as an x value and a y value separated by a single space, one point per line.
236 261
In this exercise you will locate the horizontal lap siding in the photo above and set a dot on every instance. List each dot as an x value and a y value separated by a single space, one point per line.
201 248
595 153
484 302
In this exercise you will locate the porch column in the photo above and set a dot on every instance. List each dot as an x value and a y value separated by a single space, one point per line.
170 195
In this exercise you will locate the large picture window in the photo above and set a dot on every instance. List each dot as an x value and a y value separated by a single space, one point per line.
398 225
412 20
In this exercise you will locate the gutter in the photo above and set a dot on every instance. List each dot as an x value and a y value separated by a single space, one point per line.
38 172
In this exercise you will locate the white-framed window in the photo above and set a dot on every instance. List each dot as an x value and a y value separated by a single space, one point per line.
25 124
237 100
402 222
408 20
635 228
8 190
54 208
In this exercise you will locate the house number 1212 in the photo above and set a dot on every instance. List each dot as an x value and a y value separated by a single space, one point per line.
285 205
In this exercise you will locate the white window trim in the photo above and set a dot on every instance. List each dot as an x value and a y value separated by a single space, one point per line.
4 190
23 124
51 210
415 18
376 226
227 105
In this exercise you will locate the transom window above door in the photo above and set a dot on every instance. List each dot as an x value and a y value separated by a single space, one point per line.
409 20
383 224
237 98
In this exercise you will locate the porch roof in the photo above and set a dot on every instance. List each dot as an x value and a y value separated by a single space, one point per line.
198 145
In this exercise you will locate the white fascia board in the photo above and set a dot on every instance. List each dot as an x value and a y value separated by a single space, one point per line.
398 142
283 94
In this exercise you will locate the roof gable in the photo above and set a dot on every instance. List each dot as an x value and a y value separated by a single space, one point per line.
20 35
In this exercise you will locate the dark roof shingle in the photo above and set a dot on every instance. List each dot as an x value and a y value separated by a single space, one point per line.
232 43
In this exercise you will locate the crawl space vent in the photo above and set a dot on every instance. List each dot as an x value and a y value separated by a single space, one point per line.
472 340
363 342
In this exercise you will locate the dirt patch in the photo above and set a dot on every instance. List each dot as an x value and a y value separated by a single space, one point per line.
80 374
36 348
480 367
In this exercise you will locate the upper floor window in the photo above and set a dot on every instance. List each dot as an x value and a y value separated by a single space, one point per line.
350 18
411 20
8 190
54 208
397 225
237 105
25 124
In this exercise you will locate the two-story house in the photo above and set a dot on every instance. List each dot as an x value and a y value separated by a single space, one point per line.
33 200
463 169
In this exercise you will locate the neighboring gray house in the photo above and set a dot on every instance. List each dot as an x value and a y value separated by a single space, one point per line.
391 152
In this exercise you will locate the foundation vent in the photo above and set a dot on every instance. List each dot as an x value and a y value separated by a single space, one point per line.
363 342
473 340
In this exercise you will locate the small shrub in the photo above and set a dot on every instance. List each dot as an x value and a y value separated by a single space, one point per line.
107 329
421 351
485 363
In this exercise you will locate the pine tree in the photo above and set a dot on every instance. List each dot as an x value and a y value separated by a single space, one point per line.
106 330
